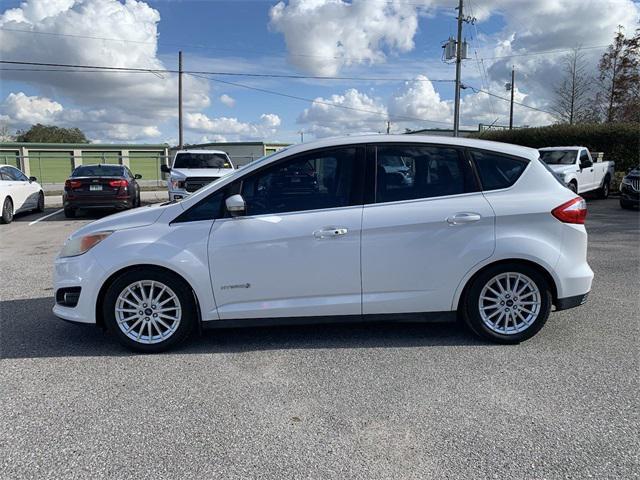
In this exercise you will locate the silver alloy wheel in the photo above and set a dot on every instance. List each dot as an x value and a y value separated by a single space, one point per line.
509 303
148 311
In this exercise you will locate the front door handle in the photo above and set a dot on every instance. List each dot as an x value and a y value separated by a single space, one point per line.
462 218
328 232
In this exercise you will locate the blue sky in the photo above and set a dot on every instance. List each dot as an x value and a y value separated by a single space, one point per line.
362 38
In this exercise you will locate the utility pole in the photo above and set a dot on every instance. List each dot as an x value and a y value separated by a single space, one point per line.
301 132
513 89
388 126
456 111
180 138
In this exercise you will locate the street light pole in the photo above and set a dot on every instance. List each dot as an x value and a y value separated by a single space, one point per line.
513 89
180 138
456 111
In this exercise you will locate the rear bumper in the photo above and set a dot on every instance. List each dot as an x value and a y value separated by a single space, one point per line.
571 302
87 203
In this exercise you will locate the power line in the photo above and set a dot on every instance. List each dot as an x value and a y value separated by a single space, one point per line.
561 50
235 74
480 90
321 102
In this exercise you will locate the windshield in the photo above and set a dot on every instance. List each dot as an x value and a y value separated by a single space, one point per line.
558 157
202 160
98 171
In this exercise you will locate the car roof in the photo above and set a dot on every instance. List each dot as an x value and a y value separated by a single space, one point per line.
100 165
507 148
561 148
197 150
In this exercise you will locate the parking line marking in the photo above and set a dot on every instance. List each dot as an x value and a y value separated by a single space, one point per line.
47 216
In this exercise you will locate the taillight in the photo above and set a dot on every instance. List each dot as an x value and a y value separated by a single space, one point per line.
72 184
573 211
118 183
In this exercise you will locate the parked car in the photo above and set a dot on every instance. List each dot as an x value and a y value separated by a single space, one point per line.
193 169
484 232
575 166
101 186
18 193
630 189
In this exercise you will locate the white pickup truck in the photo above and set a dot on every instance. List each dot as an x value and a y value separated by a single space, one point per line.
193 169
576 168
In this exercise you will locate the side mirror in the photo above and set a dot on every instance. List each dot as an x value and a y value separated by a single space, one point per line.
137 176
235 205
165 168
32 179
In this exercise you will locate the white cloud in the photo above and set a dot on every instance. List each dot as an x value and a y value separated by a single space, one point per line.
232 128
227 100
359 114
123 98
418 99
21 110
323 36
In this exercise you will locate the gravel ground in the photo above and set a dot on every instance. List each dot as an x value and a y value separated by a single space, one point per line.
357 401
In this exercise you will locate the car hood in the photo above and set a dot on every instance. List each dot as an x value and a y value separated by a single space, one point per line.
138 217
200 172
560 169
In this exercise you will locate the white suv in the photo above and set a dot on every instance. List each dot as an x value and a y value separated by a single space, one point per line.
193 169
327 231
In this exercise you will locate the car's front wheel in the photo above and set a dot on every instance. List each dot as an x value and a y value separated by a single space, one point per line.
507 303
149 310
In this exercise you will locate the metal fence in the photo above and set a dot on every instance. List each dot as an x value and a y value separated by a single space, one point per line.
53 168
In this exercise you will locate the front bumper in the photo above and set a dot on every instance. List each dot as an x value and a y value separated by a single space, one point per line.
629 195
177 195
81 271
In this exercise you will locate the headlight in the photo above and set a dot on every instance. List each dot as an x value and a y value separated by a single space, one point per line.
175 183
626 181
79 245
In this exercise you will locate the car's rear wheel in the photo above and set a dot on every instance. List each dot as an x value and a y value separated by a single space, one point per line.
40 206
573 186
69 212
7 211
507 303
149 310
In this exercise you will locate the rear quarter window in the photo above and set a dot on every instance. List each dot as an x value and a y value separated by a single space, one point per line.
496 170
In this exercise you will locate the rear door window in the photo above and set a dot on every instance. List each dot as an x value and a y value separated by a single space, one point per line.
496 170
408 172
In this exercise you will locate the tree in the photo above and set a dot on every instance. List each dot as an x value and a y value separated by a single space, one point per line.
572 95
618 94
51 134
5 133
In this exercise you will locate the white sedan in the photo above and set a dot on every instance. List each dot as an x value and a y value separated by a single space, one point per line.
18 193
328 231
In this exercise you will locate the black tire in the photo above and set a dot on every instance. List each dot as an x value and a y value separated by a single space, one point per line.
573 186
626 205
40 206
603 192
69 213
470 308
189 314
7 211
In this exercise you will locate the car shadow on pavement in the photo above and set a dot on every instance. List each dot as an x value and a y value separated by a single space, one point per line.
28 329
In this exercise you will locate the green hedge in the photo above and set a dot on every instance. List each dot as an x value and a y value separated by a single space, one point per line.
619 141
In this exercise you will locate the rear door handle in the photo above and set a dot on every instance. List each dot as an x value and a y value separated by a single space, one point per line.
328 232
462 218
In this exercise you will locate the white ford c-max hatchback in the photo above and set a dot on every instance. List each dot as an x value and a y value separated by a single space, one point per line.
355 228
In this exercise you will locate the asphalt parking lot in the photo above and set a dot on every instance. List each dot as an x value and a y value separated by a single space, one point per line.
357 401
